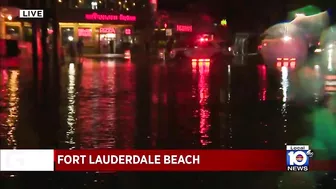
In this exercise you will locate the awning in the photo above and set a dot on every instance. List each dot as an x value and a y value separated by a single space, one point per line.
9 11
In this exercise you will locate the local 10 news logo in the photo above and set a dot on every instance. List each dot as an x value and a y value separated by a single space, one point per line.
298 157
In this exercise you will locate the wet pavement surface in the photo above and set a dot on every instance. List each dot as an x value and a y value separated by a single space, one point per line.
139 105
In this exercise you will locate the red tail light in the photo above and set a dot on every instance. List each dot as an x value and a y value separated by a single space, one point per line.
286 62
201 62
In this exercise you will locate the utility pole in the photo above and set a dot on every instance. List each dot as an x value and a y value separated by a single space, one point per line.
35 26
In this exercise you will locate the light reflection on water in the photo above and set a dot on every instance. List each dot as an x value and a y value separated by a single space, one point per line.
97 105
71 116
203 91
102 97
262 82
284 87
9 105
284 84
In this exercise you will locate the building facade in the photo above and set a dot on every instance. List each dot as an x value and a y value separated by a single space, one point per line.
104 26
183 25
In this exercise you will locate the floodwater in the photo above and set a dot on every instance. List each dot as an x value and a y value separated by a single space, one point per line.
141 105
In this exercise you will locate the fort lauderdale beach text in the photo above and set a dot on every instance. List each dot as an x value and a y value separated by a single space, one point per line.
128 159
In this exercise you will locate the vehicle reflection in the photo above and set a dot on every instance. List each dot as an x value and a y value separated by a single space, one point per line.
202 75
262 82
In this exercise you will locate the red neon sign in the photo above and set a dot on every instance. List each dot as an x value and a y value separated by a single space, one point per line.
184 28
110 17
84 32
128 31
107 30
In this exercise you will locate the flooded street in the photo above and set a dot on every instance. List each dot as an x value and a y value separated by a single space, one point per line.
125 105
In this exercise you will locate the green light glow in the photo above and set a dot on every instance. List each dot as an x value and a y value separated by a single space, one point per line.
223 22
307 11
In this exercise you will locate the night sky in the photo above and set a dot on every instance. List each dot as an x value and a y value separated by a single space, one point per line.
175 5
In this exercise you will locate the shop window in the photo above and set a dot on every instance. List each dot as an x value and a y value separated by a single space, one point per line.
85 34
67 35
27 33
13 32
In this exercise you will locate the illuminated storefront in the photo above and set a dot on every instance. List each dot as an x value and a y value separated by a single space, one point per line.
101 32
182 26
7 14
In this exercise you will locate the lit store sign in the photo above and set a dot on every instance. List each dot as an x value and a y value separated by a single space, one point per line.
184 28
110 17
84 32
107 30
128 31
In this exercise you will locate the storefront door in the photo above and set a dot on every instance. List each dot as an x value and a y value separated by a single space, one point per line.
107 40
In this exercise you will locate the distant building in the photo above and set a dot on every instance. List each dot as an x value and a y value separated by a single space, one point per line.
181 25
98 22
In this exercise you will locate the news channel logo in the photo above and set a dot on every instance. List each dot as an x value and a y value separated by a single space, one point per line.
31 13
298 157
12 160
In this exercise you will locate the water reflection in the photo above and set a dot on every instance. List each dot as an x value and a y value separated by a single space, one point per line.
284 83
121 81
71 116
203 92
330 66
284 87
9 102
97 105
262 82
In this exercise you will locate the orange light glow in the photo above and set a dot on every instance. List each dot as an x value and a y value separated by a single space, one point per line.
330 77
330 88
194 65
292 64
